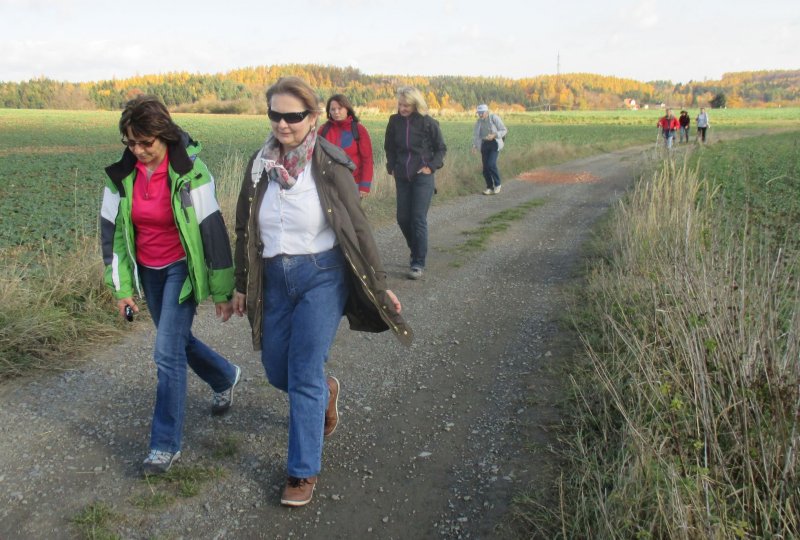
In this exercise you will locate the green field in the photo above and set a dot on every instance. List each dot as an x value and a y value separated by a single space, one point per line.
51 171
51 166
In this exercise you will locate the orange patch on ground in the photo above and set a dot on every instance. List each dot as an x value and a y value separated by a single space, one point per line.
555 177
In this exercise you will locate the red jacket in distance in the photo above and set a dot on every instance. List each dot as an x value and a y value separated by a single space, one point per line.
359 151
668 124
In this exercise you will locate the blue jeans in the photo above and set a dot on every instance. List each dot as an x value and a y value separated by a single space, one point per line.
304 299
491 173
669 138
176 347
413 201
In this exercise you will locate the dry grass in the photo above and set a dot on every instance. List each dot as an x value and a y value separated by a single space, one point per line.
690 430
53 308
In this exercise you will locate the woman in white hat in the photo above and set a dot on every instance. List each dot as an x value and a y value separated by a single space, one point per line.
488 137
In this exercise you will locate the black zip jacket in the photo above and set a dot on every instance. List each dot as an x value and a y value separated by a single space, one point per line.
413 142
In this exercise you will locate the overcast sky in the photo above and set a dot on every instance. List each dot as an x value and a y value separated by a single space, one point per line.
646 40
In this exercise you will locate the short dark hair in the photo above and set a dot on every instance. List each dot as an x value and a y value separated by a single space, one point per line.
342 100
146 116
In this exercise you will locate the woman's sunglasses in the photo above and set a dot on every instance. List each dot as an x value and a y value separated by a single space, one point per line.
288 117
132 144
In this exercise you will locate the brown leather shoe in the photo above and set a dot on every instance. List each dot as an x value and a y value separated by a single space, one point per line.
298 491
332 413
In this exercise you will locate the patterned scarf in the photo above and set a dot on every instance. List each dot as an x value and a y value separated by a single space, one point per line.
283 171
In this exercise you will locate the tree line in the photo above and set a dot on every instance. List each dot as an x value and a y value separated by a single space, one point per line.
242 90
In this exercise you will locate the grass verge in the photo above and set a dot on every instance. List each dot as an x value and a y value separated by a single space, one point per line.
686 419
52 305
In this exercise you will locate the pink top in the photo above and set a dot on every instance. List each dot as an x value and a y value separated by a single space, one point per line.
158 243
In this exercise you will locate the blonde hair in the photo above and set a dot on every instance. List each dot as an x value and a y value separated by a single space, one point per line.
412 96
297 87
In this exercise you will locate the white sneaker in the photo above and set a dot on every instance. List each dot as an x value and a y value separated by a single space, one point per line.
497 189
488 191
222 401
415 273
158 462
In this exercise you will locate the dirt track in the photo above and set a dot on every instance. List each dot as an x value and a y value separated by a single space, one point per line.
435 440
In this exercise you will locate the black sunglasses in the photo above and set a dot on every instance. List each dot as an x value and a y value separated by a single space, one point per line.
132 144
289 117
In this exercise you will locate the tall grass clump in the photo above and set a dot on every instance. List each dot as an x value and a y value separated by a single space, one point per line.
52 306
688 416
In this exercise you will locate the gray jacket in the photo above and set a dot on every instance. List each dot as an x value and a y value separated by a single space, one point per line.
496 126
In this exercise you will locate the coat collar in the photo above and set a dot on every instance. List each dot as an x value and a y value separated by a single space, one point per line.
178 155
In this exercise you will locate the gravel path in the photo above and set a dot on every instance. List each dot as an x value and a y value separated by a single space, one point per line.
435 439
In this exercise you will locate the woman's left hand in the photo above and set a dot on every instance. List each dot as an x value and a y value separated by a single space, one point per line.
224 310
397 307
425 170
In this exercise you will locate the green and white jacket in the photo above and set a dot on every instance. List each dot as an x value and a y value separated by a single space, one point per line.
197 215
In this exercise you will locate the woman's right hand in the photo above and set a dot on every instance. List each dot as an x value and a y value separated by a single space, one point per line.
123 302
239 303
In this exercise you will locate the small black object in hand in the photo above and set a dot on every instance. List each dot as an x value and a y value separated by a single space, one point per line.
129 313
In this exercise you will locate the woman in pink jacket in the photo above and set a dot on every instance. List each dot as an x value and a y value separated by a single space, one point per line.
345 131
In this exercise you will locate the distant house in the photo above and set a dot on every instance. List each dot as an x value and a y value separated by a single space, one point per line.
631 104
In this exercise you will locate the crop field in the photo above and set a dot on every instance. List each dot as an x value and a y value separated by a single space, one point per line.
758 180
51 162
52 176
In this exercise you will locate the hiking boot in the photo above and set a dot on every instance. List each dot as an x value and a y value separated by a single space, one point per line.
158 462
488 191
222 401
332 413
497 189
415 273
298 491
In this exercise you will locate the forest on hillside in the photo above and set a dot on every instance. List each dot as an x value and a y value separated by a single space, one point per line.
242 91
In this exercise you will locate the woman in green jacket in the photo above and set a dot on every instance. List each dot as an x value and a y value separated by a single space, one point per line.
161 228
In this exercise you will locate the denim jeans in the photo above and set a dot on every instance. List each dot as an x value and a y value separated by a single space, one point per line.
176 347
413 201
489 153
304 299
684 134
669 138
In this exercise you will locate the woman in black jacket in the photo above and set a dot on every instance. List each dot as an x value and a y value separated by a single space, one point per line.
414 150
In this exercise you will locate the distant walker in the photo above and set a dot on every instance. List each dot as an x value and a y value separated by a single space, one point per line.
487 137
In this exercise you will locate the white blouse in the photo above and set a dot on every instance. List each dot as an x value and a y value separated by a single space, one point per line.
291 221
